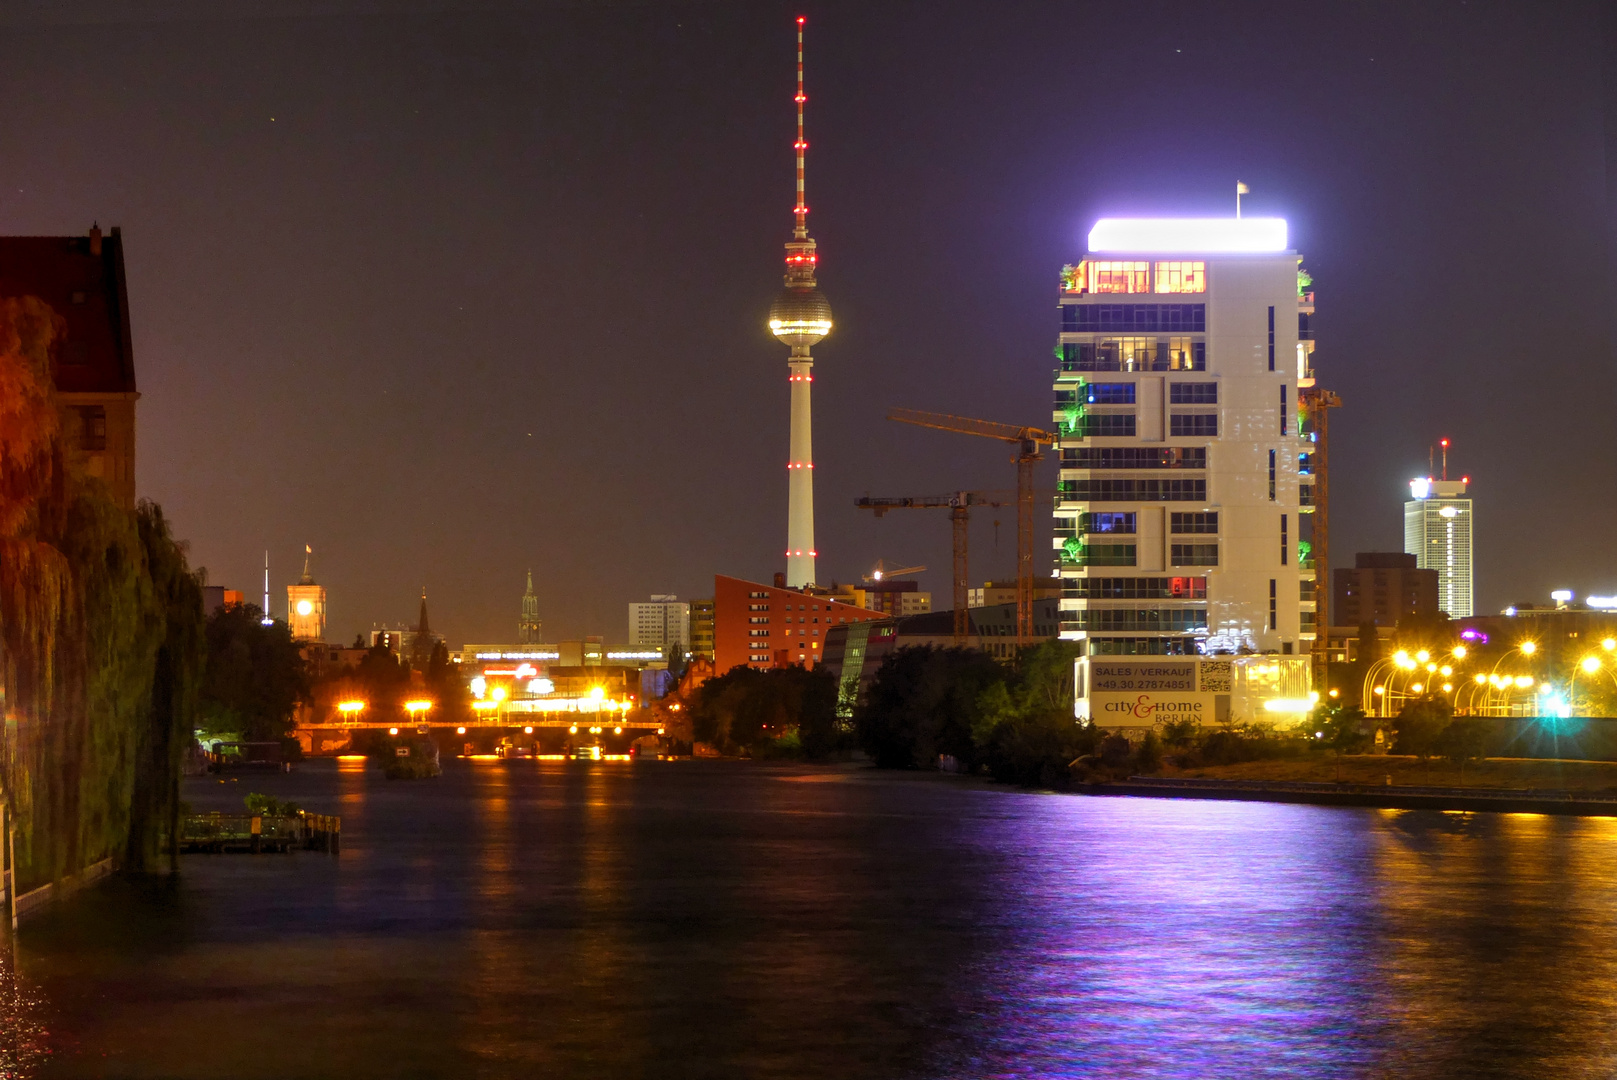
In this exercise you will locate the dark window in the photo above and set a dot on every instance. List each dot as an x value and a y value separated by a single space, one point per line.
1285 414
1303 332
1109 393
1134 318
1105 425
1271 476
1198 353
1193 425
1283 542
1271 339
1107 522
93 427
1134 457
1193 522
1274 623
1193 554
1193 393
1118 489
1135 588
1109 646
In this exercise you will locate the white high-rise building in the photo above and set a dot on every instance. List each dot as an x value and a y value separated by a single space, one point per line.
662 622
1437 531
1183 517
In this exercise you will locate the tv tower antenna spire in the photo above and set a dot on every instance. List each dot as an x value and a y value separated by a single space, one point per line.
801 210
800 317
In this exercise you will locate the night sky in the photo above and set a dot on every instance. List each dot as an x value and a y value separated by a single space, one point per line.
450 292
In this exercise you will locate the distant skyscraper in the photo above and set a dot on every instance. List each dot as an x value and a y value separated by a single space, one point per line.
800 317
1437 531
664 621
306 604
528 625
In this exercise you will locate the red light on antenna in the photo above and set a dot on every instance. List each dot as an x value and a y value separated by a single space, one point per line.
1465 479
800 20
1445 442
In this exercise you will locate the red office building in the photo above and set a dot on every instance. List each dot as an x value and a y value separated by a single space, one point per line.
767 626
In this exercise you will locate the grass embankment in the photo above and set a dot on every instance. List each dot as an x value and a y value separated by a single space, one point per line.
1498 773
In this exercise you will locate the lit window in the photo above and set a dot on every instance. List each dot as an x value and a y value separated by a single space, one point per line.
1181 277
1121 277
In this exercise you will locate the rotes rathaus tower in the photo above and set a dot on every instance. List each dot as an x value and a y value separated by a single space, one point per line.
799 317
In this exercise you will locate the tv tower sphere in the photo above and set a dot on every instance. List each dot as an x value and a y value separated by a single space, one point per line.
800 316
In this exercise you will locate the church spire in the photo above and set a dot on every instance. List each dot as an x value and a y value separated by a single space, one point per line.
423 630
528 624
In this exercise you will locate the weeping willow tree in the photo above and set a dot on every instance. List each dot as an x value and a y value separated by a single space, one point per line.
101 646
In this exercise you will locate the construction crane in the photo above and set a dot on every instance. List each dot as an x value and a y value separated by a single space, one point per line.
1317 403
959 506
1027 441
881 572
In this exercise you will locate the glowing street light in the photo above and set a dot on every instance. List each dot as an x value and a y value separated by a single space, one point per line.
416 708
1590 664
350 709
1529 648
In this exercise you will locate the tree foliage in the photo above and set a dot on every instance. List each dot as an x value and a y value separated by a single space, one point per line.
788 711
925 702
255 675
1419 725
100 635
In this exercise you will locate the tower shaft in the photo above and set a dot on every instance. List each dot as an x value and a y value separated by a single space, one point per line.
800 551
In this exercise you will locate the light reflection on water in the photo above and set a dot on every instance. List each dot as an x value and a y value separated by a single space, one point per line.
707 919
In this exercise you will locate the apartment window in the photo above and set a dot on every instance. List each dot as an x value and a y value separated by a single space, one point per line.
1135 588
93 427
1135 353
1193 554
1182 354
1305 590
757 633
1148 620
1271 476
1271 339
1065 527
1134 318
1109 393
759 619
757 607
1193 393
1285 414
1106 555
1118 489
1108 522
1193 425
758 596
1181 277
1283 541
1134 457
1120 277
1106 425
1193 522
1274 618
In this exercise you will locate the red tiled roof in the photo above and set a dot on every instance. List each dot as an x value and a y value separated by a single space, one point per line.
95 354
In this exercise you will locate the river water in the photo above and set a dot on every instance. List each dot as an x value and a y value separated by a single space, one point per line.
721 919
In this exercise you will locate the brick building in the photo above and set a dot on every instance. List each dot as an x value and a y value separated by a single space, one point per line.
82 279
766 626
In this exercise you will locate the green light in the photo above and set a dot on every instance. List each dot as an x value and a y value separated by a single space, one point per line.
1072 550
1304 282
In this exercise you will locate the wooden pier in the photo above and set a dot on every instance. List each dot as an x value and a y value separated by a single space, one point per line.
258 833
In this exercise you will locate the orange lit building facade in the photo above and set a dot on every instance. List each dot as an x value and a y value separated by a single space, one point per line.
767 626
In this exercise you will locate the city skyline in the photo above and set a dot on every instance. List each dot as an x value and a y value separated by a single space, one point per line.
261 257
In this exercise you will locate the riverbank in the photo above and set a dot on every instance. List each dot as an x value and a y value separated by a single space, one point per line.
1510 774
1474 799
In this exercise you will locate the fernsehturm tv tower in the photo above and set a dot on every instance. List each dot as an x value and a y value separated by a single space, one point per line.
800 317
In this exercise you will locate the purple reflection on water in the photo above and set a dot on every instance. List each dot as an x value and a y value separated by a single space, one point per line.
1164 938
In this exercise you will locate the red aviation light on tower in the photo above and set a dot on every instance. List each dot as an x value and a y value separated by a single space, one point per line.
800 317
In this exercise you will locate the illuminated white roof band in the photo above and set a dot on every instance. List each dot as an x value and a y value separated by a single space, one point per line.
1198 236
